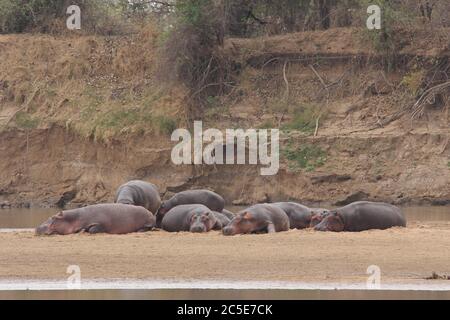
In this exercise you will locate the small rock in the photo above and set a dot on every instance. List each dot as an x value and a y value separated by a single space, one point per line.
330 178
240 202
5 204
65 198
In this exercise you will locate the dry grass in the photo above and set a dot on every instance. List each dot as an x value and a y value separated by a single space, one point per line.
101 87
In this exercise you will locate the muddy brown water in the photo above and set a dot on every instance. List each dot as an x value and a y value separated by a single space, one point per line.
29 218
224 294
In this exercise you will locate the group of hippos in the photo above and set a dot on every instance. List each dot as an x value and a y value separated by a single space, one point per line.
138 208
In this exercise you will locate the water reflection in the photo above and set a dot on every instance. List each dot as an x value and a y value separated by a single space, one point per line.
24 218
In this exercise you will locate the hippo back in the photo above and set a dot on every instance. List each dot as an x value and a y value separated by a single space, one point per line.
139 193
115 218
230 215
206 197
299 215
366 215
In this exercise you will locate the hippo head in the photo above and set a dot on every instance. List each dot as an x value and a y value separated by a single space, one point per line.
202 221
57 224
163 208
243 223
331 222
317 217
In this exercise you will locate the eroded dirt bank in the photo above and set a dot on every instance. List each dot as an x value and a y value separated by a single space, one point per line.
81 115
51 166
404 255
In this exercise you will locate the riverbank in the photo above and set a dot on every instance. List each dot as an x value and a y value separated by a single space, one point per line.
404 255
355 139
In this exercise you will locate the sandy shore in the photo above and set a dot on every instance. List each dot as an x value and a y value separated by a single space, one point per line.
404 255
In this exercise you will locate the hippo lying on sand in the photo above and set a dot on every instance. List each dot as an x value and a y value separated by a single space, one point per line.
222 220
317 215
190 217
299 215
139 193
228 214
99 218
362 215
208 198
258 218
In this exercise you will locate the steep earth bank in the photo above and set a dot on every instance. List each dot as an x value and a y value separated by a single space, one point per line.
79 116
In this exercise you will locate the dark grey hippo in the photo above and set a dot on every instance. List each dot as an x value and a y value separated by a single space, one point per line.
190 217
299 215
139 193
100 218
317 215
228 214
206 197
362 215
222 220
259 218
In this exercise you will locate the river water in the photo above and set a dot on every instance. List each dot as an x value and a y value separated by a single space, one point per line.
13 219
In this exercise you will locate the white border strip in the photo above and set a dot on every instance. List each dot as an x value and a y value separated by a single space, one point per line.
131 284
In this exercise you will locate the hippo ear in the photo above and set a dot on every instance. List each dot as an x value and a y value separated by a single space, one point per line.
247 215
59 215
337 215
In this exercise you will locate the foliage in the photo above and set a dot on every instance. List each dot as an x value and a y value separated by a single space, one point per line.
413 81
307 156
303 119
25 121
394 17
190 51
42 15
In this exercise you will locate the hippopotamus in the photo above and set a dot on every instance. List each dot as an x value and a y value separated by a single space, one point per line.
362 215
190 217
228 214
112 218
139 193
259 218
222 220
205 197
299 215
317 215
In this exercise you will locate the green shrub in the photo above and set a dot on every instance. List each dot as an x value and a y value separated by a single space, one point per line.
25 121
267 124
119 119
414 80
388 40
190 51
302 120
306 157
165 125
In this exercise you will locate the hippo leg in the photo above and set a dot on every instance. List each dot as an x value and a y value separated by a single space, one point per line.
95 228
270 228
217 225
